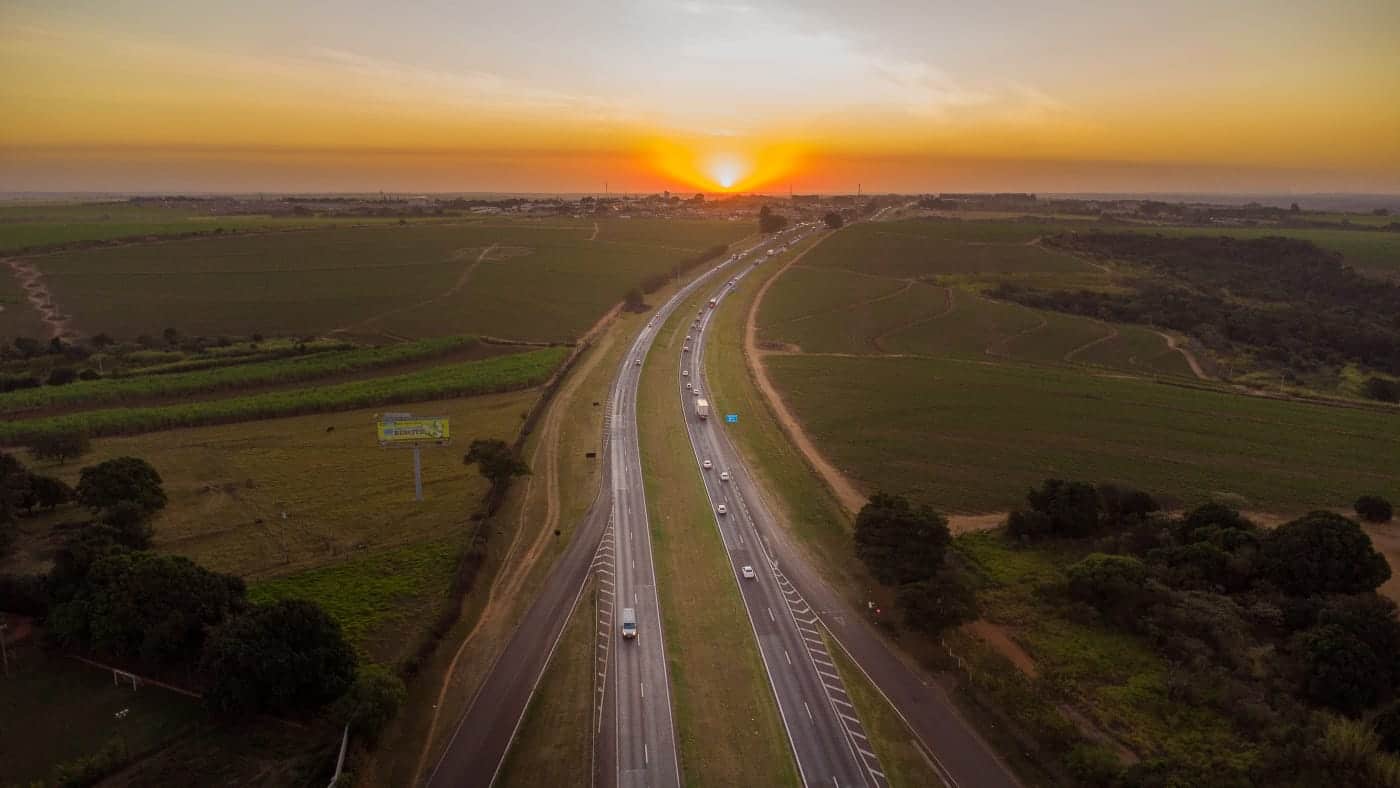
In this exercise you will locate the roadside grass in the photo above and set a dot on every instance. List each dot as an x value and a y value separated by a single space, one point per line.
727 723
501 373
381 600
539 282
973 436
90 394
554 746
54 711
901 757
229 485
1113 678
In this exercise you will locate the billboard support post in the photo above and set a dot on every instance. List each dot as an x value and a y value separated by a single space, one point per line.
406 431
417 472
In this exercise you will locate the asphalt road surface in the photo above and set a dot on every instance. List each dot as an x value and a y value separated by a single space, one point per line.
959 756
645 751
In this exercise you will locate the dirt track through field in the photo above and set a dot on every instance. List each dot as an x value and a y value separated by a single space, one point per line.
1186 354
1109 337
457 286
31 279
879 339
544 464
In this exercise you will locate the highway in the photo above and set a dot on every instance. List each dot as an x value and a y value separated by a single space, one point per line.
642 745
823 728
754 536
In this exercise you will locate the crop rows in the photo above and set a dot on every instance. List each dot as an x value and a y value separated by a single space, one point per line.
503 373
319 365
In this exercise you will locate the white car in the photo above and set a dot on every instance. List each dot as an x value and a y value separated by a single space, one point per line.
706 465
748 573
685 373
685 349
722 509
696 392
687 337
724 476
638 362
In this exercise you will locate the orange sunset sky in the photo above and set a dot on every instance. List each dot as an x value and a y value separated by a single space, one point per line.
896 95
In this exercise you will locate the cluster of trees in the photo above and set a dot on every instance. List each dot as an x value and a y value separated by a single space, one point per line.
1292 304
769 221
657 281
21 493
1264 626
108 596
905 547
833 220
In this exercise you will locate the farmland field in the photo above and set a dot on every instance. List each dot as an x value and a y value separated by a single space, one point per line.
522 280
1365 249
342 494
502 373
970 436
87 394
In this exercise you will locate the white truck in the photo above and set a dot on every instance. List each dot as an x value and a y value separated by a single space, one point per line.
702 408
714 302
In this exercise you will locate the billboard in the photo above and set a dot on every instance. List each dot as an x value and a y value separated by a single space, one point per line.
401 429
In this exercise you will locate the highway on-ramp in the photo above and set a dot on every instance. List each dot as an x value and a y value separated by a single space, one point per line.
644 748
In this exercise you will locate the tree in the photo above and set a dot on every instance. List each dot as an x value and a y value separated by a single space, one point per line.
1116 585
634 301
50 492
1342 672
1322 553
15 487
769 222
1373 509
371 703
898 543
102 340
60 447
62 376
1125 506
171 336
122 479
496 460
1058 508
1382 390
1387 725
833 220
128 524
286 657
943 600
136 604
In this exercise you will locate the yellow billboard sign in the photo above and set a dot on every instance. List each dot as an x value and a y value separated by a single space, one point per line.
413 429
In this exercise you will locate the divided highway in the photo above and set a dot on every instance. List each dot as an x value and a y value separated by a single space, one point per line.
823 729
754 538
643 745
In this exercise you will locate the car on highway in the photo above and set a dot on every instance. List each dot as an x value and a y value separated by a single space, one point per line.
696 392
724 476
685 373
687 386
638 362
629 623
706 465
722 509
748 573
687 337
685 349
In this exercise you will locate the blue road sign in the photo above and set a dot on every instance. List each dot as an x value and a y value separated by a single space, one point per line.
732 418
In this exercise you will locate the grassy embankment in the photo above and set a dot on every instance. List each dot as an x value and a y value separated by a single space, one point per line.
727 721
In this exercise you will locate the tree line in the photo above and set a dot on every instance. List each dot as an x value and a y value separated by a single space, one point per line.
1286 301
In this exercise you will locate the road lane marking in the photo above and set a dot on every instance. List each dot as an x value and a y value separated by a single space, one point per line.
809 712
771 617
785 656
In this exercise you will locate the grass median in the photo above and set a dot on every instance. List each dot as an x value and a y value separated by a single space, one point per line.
727 722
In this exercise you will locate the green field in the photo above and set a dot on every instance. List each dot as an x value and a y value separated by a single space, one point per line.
93 393
923 248
344 497
502 373
971 436
521 280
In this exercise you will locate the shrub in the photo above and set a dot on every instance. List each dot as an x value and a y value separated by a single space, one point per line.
60 446
128 524
49 492
941 601
1116 585
1373 509
371 703
1383 390
1341 672
62 376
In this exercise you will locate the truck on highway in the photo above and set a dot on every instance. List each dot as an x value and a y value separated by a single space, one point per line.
713 302
702 408
629 623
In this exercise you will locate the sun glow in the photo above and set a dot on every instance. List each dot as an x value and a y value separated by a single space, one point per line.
711 168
